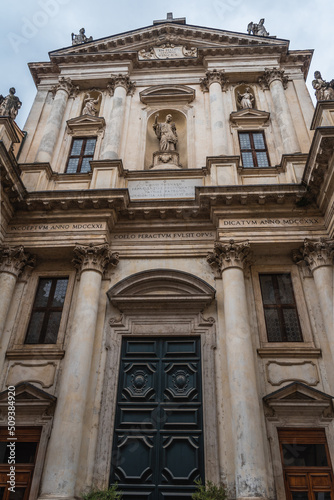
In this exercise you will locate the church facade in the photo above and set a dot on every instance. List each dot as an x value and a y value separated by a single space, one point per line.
166 276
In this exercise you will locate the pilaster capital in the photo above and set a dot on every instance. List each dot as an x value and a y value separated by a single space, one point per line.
121 81
94 258
212 77
228 255
66 85
315 253
14 260
270 75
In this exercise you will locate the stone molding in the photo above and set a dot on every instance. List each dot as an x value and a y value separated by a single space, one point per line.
214 76
315 254
66 85
15 259
270 75
228 255
94 258
121 81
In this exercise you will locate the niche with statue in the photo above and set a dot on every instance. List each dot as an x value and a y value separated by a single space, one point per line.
244 96
166 140
91 103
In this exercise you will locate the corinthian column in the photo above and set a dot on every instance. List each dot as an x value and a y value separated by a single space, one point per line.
228 260
277 82
61 466
120 87
13 261
53 125
215 82
318 256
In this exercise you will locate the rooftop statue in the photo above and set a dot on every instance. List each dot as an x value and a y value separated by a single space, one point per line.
81 38
324 91
257 29
166 133
10 105
245 100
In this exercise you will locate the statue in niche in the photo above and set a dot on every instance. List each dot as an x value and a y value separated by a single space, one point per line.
90 105
166 133
324 91
257 29
81 38
245 100
10 105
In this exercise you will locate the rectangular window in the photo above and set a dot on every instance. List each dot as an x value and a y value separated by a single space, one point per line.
280 311
253 149
47 310
306 464
82 152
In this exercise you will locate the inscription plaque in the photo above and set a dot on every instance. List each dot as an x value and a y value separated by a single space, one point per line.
162 189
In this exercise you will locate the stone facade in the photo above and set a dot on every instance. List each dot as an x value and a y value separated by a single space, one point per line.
169 246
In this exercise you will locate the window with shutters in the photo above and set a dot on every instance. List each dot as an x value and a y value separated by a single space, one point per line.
82 152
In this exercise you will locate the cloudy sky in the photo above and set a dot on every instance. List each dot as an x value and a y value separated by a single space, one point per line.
30 29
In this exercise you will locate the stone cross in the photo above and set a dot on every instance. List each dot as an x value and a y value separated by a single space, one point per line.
170 19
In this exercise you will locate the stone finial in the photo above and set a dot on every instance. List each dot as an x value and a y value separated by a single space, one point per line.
257 29
121 81
94 258
227 255
315 253
10 105
324 91
80 38
270 75
14 260
214 76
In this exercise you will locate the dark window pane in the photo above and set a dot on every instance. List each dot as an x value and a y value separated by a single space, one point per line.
247 159
90 147
18 494
323 495
245 141
60 292
292 325
85 166
267 289
43 292
76 147
262 159
2 492
35 328
258 141
72 165
300 495
274 330
24 452
285 289
52 328
304 455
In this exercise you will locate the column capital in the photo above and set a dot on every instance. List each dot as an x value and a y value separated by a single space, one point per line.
13 260
94 258
66 85
270 75
228 255
212 77
315 253
121 81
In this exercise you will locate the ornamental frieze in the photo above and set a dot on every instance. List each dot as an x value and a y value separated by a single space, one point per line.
168 51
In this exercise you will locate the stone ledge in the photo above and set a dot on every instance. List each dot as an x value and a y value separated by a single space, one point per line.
289 352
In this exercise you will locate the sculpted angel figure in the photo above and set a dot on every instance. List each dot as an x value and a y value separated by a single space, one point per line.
166 133
245 100
80 38
324 91
90 105
10 105
257 29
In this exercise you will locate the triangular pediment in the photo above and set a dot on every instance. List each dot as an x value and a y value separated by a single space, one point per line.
86 124
297 391
28 393
249 117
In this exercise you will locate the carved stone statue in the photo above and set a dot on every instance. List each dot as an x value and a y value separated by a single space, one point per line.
245 100
166 133
81 38
10 105
324 91
90 105
257 29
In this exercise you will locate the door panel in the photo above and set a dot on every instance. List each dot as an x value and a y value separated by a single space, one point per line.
158 440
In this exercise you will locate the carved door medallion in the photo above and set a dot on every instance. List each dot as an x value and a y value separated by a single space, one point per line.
158 440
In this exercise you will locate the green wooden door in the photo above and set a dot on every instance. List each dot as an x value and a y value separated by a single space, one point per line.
158 440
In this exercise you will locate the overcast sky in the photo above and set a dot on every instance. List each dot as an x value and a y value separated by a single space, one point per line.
30 29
